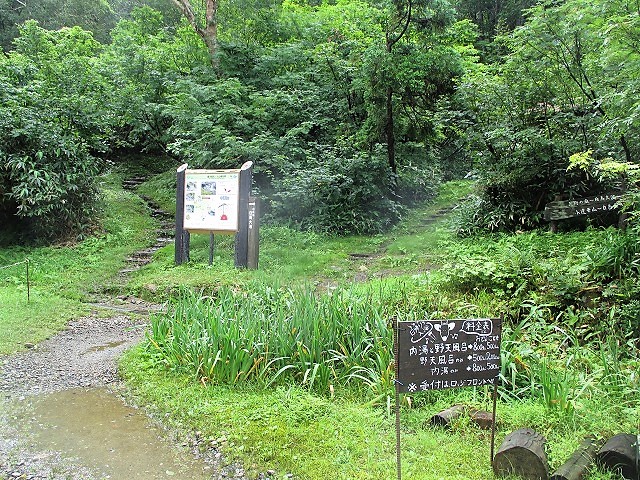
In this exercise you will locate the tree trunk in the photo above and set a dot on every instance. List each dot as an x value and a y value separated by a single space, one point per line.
389 132
403 22
208 33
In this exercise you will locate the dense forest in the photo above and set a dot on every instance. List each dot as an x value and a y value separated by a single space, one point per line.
404 152
351 111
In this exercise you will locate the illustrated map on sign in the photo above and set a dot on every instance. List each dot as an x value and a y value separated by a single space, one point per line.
211 200
434 355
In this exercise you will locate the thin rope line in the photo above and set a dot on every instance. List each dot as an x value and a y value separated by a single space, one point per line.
13 265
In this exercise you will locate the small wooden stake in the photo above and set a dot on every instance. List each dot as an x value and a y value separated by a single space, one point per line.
28 283
396 361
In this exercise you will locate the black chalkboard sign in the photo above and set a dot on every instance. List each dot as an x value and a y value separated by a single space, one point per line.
434 355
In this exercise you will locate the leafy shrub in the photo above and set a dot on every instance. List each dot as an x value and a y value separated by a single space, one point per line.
339 195
47 175
416 185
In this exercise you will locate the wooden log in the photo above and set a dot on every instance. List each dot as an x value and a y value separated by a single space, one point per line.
620 454
445 417
522 453
576 467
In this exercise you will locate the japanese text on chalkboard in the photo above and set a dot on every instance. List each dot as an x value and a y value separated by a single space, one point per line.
433 355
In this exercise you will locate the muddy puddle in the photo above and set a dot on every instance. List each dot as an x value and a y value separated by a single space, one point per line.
95 429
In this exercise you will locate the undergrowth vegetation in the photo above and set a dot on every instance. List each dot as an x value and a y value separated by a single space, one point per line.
299 353
569 357
327 341
276 335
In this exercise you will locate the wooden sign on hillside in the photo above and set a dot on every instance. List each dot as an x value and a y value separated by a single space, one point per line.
560 210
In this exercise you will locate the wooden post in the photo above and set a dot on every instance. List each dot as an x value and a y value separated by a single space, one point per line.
242 236
623 221
576 467
482 418
212 240
186 246
522 453
253 252
180 237
620 454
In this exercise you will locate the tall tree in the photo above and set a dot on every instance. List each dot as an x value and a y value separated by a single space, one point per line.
207 30
394 33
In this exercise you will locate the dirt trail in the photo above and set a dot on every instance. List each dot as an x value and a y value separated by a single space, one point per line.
61 415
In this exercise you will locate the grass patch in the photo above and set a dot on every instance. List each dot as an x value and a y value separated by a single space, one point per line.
63 277
23 322
291 430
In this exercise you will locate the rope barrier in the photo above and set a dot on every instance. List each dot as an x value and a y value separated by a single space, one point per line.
24 262
13 264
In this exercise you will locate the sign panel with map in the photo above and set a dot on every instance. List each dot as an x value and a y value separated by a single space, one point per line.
211 200
434 355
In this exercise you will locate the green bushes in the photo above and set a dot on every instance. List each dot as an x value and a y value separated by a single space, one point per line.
47 187
594 272
545 358
339 195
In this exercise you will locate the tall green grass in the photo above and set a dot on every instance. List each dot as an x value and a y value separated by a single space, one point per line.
342 338
276 335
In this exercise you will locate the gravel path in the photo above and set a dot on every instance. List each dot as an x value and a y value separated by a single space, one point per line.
83 356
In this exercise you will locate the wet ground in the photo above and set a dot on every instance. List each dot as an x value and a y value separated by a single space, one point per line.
61 413
89 434
61 416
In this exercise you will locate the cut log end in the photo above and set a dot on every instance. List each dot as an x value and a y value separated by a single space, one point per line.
522 453
620 454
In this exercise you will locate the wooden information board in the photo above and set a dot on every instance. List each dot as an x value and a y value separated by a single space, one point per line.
211 200
560 210
434 355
